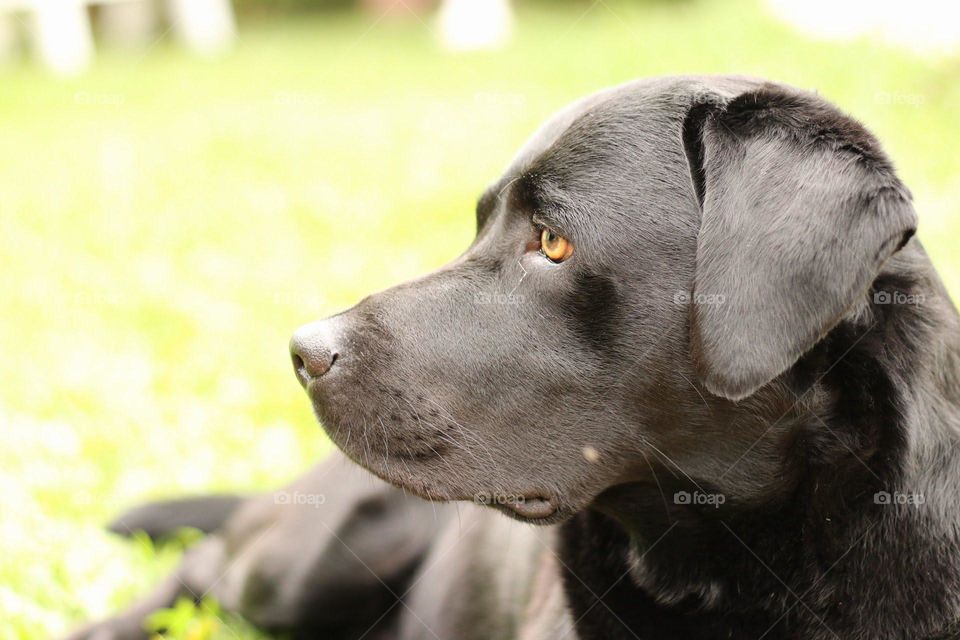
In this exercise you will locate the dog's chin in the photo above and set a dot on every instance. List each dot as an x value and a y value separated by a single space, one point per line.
416 475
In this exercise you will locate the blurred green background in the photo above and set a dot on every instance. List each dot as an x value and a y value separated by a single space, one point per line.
167 221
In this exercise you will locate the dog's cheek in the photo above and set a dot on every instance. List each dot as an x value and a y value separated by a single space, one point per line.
591 311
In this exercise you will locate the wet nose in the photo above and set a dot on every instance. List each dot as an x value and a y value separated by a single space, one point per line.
312 351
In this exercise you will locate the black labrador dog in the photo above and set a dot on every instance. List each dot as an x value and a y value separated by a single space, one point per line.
694 340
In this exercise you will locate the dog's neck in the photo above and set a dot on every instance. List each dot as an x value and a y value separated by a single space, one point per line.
864 526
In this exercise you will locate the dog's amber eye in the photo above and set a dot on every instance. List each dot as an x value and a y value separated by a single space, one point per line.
554 246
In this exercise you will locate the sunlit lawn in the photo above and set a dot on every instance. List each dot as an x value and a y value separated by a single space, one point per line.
165 223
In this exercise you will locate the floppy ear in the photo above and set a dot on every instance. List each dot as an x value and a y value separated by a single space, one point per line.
800 210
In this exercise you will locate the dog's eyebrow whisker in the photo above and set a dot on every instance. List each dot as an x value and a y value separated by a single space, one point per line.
507 186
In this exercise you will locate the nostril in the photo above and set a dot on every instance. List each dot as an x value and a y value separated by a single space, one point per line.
312 363
298 364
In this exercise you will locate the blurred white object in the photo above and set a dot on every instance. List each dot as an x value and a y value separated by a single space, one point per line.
206 26
475 24
132 23
63 35
64 39
927 27
9 40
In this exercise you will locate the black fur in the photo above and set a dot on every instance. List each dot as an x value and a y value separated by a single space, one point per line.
593 311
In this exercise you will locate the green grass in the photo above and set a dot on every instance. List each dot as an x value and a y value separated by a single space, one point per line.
167 222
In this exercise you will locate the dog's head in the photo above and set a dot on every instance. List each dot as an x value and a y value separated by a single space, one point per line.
651 264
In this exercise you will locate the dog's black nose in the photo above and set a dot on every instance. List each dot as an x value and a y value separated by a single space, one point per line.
312 351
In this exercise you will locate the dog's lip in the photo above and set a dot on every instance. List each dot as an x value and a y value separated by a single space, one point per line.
532 508
526 506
